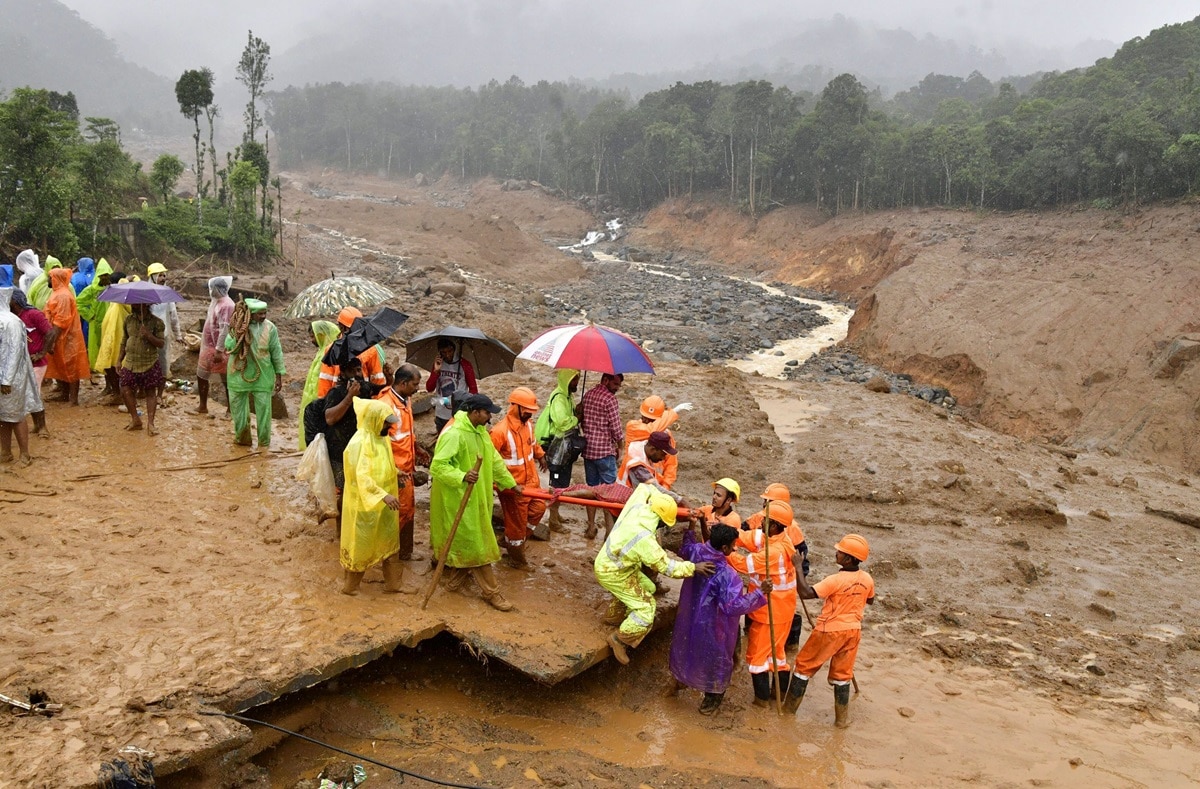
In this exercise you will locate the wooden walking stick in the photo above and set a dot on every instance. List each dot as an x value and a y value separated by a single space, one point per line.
770 613
441 565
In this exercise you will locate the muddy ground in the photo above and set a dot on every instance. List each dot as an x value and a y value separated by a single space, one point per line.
1030 629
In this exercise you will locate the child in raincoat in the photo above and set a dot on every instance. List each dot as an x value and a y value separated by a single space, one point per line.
370 523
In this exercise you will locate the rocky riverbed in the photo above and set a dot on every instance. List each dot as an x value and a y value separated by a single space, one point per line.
834 363
685 310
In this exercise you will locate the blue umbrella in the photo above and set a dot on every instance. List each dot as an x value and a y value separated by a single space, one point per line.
139 293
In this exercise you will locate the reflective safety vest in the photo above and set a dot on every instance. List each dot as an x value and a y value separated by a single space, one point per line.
515 443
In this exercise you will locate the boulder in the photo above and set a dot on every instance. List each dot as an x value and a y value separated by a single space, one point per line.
456 289
1170 363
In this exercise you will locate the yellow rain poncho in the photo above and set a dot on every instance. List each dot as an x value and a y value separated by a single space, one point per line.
112 334
325 332
370 531
461 443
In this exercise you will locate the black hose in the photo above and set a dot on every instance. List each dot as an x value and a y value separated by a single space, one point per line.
352 754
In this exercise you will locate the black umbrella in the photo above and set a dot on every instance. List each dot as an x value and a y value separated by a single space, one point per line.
364 334
487 355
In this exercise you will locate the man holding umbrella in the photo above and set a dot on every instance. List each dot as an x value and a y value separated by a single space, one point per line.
464 457
452 377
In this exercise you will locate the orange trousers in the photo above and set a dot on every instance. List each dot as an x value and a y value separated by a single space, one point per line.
408 508
758 645
839 648
520 512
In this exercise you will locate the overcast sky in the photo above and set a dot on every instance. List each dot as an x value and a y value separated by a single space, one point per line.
169 36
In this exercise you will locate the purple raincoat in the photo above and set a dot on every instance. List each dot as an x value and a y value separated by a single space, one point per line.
706 623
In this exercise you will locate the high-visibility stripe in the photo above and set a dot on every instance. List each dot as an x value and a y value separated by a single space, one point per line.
615 558
750 566
671 565
636 617
780 587
324 376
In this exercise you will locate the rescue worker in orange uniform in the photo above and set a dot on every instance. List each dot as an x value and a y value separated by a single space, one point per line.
406 452
777 491
523 456
838 630
651 456
726 492
781 603
371 363
655 417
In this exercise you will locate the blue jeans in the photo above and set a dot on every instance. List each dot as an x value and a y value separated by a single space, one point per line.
602 471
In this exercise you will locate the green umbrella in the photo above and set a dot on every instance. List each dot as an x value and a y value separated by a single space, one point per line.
328 296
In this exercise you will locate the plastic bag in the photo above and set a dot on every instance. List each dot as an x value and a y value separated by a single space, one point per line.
315 469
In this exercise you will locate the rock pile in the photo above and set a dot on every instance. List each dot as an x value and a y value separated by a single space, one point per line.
840 363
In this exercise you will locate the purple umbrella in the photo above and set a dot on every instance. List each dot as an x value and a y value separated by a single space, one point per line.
139 293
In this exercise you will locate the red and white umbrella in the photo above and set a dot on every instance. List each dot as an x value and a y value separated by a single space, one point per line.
588 347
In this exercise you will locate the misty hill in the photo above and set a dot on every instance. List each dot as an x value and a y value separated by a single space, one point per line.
44 44
427 44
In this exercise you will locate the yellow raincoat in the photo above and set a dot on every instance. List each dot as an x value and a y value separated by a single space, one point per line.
370 531
112 333
325 333
460 444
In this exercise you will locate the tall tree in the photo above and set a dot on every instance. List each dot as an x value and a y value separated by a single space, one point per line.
253 72
194 93
164 173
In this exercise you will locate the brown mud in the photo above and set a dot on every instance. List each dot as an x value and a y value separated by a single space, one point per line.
1031 626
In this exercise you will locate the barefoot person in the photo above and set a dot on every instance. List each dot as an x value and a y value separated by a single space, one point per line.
370 532
41 337
18 392
139 368
211 366
838 630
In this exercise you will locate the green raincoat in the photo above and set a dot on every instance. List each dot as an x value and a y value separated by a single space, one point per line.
558 417
92 310
39 289
325 332
264 359
460 444
370 531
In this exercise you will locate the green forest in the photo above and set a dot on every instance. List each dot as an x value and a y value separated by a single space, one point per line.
1126 130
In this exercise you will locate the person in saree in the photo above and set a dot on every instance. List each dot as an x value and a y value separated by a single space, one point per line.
322 334
68 362
710 609
370 501
213 362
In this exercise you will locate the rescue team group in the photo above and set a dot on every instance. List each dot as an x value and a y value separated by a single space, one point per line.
364 412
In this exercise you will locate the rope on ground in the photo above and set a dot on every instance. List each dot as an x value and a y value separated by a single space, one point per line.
256 454
343 751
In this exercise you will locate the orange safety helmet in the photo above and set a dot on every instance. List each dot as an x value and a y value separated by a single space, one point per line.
854 545
347 315
524 397
653 407
777 491
780 512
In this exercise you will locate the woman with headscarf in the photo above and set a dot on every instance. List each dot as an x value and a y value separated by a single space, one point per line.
27 264
40 337
370 524
18 390
91 312
214 360
39 290
69 360
256 369
322 333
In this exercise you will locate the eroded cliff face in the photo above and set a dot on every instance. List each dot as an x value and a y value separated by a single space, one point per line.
1073 326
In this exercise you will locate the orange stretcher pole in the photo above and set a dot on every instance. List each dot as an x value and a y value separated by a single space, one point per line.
611 506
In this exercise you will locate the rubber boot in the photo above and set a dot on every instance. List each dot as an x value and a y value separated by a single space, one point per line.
762 689
795 694
841 706
711 703
516 557
783 680
350 585
618 647
393 574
